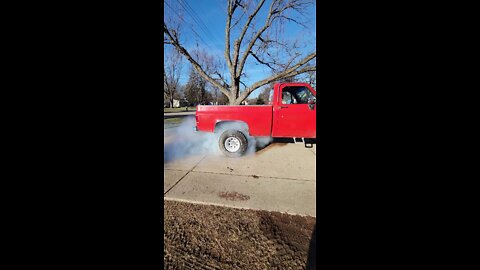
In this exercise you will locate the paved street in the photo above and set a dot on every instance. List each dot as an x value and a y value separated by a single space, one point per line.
178 114
280 177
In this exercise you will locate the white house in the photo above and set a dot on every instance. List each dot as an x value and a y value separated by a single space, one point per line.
176 103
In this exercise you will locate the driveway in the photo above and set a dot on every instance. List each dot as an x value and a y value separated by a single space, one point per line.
279 177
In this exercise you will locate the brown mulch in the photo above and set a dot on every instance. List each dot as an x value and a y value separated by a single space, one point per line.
212 237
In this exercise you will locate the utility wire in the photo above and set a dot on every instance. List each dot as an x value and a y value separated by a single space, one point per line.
202 24
194 16
180 17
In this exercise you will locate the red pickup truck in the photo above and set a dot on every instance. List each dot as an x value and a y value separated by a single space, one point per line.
291 113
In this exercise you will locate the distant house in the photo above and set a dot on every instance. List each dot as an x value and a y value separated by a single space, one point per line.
176 103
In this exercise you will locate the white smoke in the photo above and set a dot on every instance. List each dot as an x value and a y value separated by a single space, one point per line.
183 142
256 143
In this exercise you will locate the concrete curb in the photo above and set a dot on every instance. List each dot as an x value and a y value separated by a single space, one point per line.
234 207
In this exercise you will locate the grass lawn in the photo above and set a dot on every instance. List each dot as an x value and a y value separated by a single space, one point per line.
182 109
172 122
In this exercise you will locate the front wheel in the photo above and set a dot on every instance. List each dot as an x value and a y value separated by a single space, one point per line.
233 143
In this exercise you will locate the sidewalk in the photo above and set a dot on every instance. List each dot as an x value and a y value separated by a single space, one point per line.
280 177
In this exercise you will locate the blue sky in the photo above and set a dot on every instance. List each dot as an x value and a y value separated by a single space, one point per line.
210 34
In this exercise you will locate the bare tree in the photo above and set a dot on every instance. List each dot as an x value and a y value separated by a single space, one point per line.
195 89
172 69
265 94
260 40
312 78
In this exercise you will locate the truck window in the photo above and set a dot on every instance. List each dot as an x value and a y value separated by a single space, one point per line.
287 98
296 95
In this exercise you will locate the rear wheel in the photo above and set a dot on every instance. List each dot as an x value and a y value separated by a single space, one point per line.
233 143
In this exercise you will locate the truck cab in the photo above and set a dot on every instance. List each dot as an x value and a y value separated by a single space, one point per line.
294 111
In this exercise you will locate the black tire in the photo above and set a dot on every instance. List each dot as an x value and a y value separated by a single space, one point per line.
237 138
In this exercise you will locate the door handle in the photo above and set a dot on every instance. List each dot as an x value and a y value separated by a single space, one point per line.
283 107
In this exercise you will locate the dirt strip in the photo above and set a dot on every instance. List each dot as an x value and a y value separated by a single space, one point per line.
212 237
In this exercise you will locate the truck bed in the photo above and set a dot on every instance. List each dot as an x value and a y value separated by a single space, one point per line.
257 117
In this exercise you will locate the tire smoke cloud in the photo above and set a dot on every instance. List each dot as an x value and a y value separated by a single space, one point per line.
181 142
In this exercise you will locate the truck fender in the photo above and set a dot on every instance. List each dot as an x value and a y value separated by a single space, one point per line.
221 126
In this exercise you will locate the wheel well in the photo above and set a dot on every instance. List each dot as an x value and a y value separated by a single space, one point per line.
238 125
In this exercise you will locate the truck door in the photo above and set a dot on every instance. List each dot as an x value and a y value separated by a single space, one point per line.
293 115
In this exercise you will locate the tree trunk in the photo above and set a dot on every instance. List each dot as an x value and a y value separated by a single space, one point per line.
235 92
232 99
171 102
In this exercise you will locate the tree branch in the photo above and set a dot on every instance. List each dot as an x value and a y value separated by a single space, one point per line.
227 35
239 19
261 62
238 42
268 23
243 84
259 84
166 86
194 63
220 77
292 20
285 74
